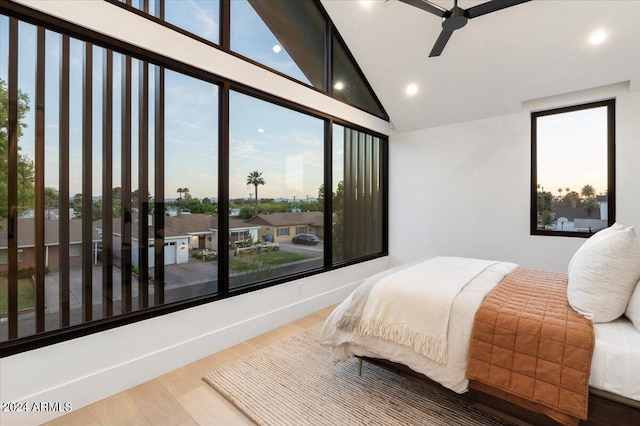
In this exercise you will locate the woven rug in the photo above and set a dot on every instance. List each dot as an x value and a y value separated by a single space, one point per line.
293 382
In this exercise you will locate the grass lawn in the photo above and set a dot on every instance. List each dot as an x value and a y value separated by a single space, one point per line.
253 262
26 294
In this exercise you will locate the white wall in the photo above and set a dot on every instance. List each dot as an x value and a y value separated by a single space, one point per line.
464 189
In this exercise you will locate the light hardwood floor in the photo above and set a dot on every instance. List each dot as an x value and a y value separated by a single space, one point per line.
181 397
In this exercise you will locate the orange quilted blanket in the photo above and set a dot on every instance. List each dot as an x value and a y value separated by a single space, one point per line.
530 348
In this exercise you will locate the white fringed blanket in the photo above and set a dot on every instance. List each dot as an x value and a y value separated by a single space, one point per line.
427 290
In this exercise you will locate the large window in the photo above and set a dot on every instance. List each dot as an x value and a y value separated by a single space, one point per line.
573 169
99 184
132 186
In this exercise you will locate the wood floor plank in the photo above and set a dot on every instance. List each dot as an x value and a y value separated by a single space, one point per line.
119 409
158 406
83 416
208 407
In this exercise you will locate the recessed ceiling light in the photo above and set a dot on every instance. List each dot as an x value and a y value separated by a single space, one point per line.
366 3
597 37
339 85
260 130
277 48
412 89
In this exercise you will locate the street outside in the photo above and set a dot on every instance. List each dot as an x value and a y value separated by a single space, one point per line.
182 281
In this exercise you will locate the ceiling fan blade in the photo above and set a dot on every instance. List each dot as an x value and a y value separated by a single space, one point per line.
492 6
427 6
441 42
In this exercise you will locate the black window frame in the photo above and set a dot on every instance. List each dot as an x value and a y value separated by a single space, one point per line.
610 104
225 40
46 338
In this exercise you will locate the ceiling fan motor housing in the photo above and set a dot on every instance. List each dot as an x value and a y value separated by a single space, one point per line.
455 19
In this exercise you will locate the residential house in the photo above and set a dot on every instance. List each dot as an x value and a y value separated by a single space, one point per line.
282 227
26 243
183 233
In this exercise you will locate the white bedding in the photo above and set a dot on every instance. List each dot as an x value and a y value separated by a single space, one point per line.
616 358
451 374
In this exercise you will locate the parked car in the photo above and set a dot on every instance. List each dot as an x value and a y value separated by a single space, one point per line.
307 239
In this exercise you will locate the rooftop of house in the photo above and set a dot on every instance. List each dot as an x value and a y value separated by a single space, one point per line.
180 225
27 232
288 219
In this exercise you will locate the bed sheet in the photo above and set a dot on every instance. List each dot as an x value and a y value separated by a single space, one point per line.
615 366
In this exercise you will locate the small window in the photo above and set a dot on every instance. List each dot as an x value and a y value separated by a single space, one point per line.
301 230
74 250
282 232
573 169
4 256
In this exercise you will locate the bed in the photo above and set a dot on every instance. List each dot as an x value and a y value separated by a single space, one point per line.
613 387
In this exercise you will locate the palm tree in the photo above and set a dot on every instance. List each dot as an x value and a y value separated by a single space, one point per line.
180 191
587 191
255 178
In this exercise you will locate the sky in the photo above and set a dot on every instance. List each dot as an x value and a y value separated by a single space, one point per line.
286 146
572 150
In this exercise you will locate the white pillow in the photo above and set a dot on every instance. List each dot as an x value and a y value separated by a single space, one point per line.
600 235
604 274
633 308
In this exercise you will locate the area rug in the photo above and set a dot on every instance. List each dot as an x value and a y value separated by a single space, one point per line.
293 382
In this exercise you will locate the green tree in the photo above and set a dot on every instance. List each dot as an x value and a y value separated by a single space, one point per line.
591 204
186 196
26 170
338 224
180 191
321 198
76 204
255 178
544 201
588 191
116 193
245 212
51 200
572 198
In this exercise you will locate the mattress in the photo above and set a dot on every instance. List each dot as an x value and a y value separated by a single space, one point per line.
615 366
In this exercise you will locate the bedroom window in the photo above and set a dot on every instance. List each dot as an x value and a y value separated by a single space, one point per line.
573 169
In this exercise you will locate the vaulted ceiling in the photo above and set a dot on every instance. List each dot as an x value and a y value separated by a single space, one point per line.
493 64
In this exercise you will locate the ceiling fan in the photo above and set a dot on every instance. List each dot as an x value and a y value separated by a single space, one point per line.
457 17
